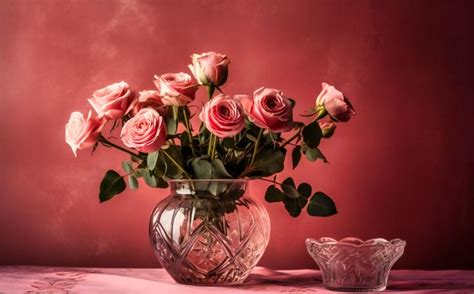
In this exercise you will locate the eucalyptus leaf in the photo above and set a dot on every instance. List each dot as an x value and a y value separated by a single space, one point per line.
149 178
127 167
292 206
315 154
111 185
202 168
288 187
218 170
152 159
321 205
132 182
312 134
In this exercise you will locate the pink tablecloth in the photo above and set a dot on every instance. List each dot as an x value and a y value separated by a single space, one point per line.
27 279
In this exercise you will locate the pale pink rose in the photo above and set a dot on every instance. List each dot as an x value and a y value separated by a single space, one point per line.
268 109
82 133
113 101
210 68
176 89
146 131
327 129
223 116
147 98
336 104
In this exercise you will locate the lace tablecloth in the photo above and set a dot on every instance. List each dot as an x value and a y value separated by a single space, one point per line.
30 279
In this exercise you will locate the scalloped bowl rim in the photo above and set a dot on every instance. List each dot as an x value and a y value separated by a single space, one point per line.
355 242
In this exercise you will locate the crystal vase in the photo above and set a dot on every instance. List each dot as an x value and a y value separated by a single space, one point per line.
209 232
353 265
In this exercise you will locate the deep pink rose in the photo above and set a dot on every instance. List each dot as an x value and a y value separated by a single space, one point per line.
148 98
223 116
337 106
146 131
113 101
210 68
327 129
82 133
176 89
269 109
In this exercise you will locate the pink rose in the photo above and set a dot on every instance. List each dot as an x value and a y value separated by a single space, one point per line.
210 68
327 129
223 116
146 131
147 98
337 106
269 109
113 101
82 133
175 89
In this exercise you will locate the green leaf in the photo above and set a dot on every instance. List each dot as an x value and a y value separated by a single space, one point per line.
288 187
202 168
305 190
149 178
273 194
161 183
321 205
270 161
296 156
218 170
132 182
127 167
292 206
315 154
312 134
111 185
152 159
171 121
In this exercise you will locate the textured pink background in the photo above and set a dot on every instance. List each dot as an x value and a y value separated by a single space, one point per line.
402 168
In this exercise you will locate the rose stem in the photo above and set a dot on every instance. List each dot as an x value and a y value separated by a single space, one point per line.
175 163
256 146
104 141
188 130
291 138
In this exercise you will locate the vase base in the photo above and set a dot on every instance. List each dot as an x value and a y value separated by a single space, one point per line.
356 289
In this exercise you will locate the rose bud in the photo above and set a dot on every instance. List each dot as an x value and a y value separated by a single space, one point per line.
333 101
327 129
146 131
210 68
82 133
176 89
147 98
113 101
268 109
223 116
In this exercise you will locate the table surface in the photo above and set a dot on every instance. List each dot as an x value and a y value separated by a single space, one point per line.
34 279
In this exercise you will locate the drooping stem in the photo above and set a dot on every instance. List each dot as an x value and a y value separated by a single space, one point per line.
175 163
274 182
106 142
188 130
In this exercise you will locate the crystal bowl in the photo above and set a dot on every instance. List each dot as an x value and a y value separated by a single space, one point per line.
354 265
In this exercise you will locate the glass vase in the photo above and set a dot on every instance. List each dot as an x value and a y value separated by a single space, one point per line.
209 232
353 265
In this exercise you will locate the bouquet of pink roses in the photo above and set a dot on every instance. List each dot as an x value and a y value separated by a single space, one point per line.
240 136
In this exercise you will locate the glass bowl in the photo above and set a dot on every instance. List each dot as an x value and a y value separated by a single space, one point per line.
354 265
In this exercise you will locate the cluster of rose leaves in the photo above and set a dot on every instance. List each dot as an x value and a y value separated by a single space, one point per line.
240 136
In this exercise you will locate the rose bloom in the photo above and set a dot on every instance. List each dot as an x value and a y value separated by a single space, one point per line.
113 101
269 109
223 116
146 131
176 89
82 133
337 106
210 68
147 98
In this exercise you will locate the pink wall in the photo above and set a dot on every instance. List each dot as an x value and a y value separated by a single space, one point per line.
402 168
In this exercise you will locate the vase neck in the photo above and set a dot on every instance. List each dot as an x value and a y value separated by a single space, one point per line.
213 188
